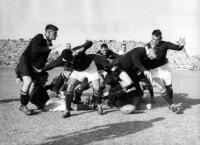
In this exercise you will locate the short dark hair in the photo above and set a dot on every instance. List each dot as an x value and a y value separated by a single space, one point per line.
123 44
52 27
157 33
104 45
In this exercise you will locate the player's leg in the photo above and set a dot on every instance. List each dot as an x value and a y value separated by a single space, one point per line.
38 92
24 95
73 81
146 85
166 75
79 90
97 94
94 77
25 71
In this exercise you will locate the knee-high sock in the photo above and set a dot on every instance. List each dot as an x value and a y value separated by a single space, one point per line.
68 100
170 90
24 97
167 96
97 96
151 92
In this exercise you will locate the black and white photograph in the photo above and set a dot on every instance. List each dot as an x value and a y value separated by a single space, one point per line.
99 72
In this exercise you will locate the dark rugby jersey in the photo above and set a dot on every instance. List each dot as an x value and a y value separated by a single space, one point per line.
37 51
57 63
133 60
101 62
109 54
163 46
80 62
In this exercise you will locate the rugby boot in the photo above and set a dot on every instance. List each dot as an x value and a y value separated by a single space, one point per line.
66 114
25 110
99 109
177 108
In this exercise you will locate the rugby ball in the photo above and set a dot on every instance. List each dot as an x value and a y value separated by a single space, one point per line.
148 106
127 109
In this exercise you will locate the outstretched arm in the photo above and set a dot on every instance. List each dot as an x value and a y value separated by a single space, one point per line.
82 48
179 46
56 63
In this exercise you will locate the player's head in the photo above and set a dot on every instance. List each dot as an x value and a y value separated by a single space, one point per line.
156 36
51 32
104 48
68 46
123 46
67 55
154 53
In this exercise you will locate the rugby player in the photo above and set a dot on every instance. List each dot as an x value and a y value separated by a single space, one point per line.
83 67
35 55
159 68
109 54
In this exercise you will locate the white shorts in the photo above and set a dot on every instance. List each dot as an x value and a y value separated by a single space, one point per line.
162 73
91 73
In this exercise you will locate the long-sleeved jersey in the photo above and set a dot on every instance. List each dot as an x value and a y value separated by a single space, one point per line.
101 62
37 51
163 46
79 62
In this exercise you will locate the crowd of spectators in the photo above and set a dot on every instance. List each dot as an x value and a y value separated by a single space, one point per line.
10 51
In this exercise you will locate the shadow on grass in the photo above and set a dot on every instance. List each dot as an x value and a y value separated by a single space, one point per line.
8 100
100 133
178 98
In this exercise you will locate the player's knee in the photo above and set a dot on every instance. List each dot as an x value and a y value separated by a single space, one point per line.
166 91
70 87
163 90
68 93
27 80
96 88
167 79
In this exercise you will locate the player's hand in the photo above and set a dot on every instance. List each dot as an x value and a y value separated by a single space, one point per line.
148 75
37 70
18 80
181 42
55 46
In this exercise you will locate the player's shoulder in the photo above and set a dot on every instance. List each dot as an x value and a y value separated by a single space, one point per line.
138 49
38 37
98 52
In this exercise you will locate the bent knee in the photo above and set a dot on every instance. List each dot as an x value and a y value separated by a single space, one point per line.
27 80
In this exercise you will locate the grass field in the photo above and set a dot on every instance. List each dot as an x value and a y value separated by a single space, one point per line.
158 126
